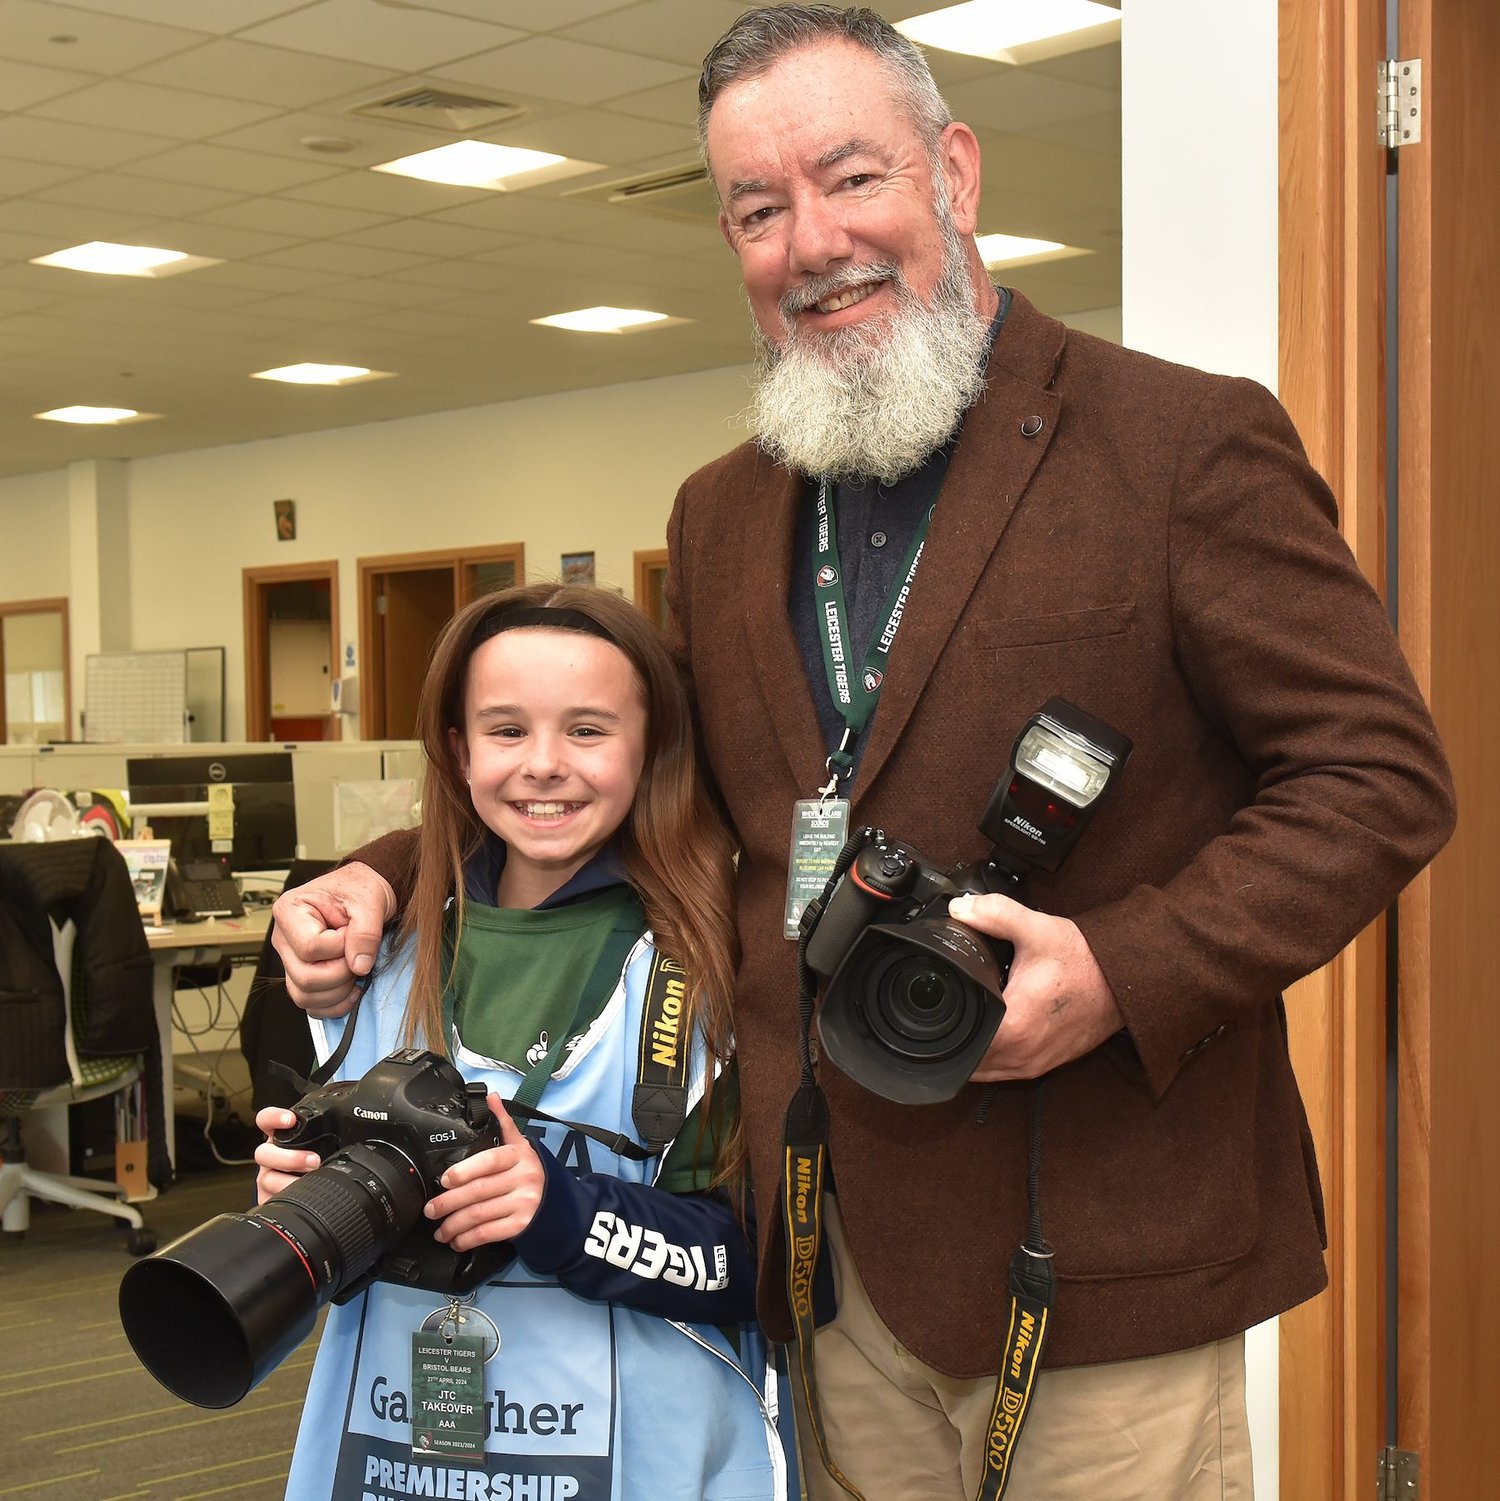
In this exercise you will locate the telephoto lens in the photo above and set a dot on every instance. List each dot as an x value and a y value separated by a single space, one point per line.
212 1314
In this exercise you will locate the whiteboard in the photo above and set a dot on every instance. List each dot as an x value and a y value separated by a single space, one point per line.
135 696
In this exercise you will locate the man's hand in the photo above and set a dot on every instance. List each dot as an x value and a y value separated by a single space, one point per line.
1058 1005
328 932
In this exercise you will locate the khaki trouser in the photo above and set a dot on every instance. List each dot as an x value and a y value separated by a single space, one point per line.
1165 1428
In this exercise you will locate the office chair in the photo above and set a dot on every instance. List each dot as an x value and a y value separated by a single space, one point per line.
77 1021
274 1029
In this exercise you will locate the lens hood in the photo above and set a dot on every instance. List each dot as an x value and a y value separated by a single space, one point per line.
913 1007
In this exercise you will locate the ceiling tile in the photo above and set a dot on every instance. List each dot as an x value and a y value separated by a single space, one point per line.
381 193
269 75
558 69
215 240
672 103
285 216
179 114
367 32
1019 100
66 225
101 44
372 141
532 15
457 276
144 195
73 145
349 260
314 309
680 31
257 276
219 167
17 177
25 84
215 16
428 237
596 135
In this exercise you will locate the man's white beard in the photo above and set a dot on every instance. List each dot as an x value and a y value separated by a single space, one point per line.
873 400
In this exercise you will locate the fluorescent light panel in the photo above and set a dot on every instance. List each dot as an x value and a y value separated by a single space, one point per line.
479 164
312 374
605 320
104 258
1017 250
96 416
996 28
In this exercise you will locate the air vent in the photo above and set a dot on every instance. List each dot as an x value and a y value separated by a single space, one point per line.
678 193
439 109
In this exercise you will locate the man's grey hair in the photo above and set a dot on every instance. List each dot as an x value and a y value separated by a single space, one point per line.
762 37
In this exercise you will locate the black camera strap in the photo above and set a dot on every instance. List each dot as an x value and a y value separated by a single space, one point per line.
1032 1280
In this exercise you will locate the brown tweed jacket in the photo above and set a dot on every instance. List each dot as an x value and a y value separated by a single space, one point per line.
1161 554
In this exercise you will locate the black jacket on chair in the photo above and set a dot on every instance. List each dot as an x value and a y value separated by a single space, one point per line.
84 880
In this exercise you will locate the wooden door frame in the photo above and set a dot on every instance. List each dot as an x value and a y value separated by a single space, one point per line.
647 562
255 582
372 695
1331 377
39 607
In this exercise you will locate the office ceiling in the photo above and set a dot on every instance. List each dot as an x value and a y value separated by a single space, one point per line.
197 125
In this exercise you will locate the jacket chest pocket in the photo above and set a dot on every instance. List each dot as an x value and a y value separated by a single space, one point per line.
991 633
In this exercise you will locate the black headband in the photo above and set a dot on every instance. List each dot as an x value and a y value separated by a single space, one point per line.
548 617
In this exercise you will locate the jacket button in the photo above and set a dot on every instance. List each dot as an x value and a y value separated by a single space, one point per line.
1031 426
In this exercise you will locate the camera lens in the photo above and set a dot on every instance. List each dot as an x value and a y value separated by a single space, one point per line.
919 1007
216 1311
926 991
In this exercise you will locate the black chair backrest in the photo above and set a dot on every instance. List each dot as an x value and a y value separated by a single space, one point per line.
274 1028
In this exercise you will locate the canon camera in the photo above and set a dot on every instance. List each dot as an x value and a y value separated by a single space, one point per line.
913 998
217 1310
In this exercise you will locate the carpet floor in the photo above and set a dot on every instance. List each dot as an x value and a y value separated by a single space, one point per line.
80 1418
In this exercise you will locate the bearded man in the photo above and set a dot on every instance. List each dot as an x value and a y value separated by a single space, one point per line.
955 508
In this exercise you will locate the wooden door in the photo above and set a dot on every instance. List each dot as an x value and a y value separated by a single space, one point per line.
418 603
1404 1350
1448 1273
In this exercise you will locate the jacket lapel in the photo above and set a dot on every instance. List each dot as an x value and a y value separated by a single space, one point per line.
998 452
770 526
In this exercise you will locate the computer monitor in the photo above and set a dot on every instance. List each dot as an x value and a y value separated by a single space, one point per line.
265 816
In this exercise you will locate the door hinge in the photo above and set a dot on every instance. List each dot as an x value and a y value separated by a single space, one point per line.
1400 93
1398 1473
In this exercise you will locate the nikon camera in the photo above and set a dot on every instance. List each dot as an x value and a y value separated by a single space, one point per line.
217 1310
912 998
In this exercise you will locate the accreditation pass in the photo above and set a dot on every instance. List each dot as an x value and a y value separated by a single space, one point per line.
819 828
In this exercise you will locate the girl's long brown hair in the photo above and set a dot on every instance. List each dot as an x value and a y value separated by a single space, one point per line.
676 851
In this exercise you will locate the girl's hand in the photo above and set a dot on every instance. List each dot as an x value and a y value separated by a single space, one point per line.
492 1195
280 1167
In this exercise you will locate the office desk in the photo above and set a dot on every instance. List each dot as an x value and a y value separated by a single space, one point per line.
205 942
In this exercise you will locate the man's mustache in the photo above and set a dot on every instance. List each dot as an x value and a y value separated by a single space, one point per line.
818 288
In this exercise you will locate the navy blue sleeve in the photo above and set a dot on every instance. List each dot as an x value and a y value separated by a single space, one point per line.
678 1256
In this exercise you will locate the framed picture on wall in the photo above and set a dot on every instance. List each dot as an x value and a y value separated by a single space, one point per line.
286 520
578 568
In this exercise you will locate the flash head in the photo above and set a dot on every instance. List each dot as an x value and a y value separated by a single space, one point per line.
1063 761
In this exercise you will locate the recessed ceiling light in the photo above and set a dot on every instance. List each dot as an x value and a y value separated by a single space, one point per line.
107 259
996 28
311 374
1016 250
96 416
606 320
478 164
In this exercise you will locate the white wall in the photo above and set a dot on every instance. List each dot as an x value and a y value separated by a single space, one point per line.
1200 279
34 536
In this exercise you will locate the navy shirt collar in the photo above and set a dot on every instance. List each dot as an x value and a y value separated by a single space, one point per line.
482 875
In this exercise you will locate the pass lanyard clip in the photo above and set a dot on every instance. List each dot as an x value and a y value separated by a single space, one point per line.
839 764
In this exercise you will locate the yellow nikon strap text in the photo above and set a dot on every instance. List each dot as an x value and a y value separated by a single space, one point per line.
659 1104
806 1138
1031 1289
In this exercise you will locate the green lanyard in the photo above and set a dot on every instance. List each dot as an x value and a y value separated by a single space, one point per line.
854 695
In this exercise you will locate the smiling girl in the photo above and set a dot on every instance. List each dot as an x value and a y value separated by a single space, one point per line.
570 917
